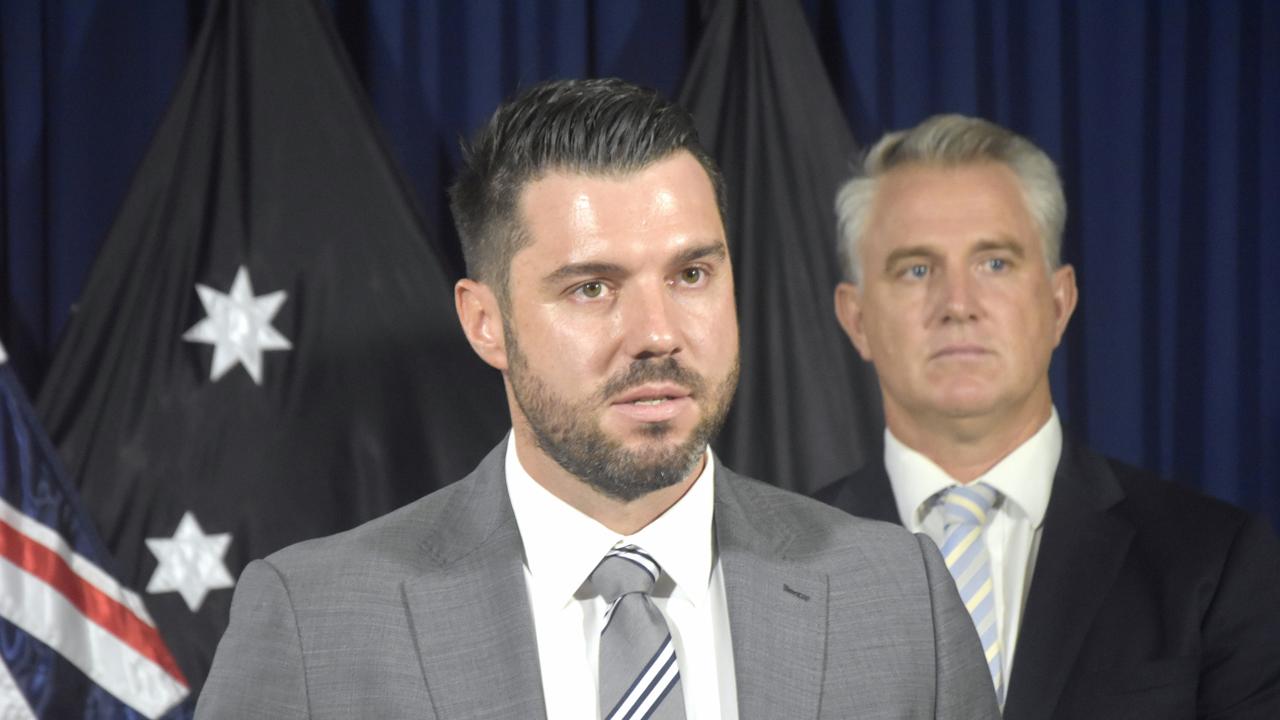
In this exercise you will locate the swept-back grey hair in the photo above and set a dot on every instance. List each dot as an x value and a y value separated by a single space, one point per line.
950 141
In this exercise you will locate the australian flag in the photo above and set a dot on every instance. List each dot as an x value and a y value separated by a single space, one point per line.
74 641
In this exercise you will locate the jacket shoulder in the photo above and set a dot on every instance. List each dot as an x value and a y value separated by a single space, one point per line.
1169 512
1149 489
392 546
813 530
434 529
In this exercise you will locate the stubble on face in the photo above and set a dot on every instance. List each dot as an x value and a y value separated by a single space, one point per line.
570 433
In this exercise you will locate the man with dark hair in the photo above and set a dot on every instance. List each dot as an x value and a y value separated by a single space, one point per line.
600 562
1098 590
551 129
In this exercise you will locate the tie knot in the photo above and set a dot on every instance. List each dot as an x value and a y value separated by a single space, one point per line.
626 569
968 504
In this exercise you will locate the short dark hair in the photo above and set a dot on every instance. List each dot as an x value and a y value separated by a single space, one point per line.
601 126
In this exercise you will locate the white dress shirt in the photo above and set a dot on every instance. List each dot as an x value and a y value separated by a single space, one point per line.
561 548
1024 479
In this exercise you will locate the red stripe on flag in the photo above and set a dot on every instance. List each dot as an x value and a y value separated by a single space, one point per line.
97 606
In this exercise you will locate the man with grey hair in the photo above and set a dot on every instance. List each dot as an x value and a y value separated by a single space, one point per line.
1097 590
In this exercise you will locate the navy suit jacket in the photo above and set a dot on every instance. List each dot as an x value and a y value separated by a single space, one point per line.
1147 600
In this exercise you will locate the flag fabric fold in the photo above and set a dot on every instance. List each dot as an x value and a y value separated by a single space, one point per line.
807 409
266 349
74 641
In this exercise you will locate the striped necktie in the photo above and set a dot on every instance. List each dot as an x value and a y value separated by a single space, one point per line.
639 677
965 508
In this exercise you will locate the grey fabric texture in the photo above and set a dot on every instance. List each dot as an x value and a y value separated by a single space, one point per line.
423 613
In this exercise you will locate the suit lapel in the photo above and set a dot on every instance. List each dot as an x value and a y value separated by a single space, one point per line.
1081 551
777 614
470 610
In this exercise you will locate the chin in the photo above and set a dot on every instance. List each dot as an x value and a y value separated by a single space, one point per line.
960 405
656 431
639 435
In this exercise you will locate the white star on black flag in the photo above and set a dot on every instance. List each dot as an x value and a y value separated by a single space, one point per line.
238 326
191 563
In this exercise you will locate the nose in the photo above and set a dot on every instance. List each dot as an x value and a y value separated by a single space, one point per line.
650 323
957 296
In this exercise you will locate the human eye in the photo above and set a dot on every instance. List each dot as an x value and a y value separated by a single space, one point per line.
592 290
693 276
915 271
995 264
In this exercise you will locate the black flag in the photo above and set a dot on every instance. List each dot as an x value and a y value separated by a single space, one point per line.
266 349
807 409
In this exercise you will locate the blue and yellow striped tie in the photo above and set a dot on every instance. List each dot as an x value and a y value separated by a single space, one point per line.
965 508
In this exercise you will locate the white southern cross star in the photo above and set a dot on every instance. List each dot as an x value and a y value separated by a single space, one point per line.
191 563
238 326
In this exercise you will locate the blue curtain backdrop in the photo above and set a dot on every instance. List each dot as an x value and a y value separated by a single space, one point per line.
1164 116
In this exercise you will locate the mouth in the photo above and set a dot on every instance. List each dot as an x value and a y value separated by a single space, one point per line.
653 403
652 393
960 351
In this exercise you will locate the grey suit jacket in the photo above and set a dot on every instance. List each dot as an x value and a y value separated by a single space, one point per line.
424 613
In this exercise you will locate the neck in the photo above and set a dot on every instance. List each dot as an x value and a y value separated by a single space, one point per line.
622 517
966 448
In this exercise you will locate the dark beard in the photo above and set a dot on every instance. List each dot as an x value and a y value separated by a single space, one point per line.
569 434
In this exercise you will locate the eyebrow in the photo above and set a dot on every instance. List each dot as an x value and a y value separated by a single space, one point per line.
573 270
924 251
1010 246
914 251
715 249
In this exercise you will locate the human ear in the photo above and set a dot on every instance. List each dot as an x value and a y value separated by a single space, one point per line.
481 319
1065 295
848 304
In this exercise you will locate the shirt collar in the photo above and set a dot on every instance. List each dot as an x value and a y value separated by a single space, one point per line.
563 545
1024 477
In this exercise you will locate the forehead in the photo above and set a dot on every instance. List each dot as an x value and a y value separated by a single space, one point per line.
928 204
671 200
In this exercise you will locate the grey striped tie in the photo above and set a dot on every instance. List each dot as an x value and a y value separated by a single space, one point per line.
639 676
